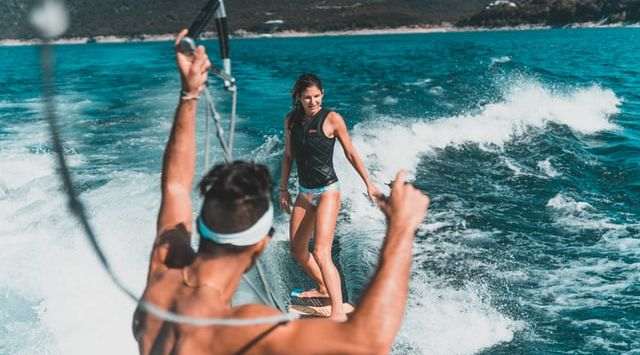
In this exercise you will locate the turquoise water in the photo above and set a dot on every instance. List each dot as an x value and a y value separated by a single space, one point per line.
527 143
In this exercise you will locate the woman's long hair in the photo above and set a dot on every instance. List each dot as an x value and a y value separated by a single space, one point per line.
304 81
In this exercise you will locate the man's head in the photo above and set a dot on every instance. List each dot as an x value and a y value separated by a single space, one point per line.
236 213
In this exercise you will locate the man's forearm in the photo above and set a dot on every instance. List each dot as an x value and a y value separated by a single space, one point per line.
381 309
180 154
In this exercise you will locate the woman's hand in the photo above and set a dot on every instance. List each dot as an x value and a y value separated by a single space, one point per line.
285 201
373 192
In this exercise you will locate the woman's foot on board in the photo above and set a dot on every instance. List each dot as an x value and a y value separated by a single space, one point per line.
313 293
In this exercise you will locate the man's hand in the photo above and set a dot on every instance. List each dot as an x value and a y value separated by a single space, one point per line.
406 207
194 68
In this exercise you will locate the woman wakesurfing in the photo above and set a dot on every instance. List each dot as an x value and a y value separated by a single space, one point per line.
310 135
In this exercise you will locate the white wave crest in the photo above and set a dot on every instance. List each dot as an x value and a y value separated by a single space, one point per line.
547 168
420 82
436 314
527 104
572 214
500 60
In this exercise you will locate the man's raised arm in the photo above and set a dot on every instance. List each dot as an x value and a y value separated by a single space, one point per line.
178 168
374 324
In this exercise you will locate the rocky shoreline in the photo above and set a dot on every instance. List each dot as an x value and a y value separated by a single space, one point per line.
556 13
241 34
150 20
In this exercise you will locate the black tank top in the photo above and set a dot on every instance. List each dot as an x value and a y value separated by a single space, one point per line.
313 151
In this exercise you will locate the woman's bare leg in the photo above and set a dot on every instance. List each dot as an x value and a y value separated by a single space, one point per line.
326 217
300 231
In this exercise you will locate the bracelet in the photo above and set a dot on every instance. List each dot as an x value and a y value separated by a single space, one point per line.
185 96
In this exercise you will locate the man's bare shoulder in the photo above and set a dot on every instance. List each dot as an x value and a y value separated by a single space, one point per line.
258 339
302 336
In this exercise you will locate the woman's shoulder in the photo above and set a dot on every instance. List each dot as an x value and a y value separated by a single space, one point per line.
330 112
333 115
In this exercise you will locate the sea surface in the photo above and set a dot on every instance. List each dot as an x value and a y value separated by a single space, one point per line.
528 143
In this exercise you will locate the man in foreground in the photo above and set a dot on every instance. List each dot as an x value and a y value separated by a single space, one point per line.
234 226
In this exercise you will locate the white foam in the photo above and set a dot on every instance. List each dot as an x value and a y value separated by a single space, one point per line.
27 186
572 214
547 168
585 283
605 344
436 314
527 105
620 241
30 105
267 150
47 259
436 91
500 60
389 100
517 169
48 262
420 82
568 204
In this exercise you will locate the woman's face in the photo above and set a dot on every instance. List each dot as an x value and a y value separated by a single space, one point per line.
311 99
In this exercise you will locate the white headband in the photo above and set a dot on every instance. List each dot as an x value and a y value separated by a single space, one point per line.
249 236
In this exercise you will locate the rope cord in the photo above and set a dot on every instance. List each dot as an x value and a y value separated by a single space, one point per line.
217 120
217 6
78 210
207 138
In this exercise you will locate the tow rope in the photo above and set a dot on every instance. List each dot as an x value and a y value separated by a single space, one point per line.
50 19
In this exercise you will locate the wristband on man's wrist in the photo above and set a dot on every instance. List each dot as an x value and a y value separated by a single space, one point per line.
185 96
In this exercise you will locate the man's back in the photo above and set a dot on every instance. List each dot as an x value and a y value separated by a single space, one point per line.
171 291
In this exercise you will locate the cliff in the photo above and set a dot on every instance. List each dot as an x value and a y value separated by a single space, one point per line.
137 17
554 13
133 18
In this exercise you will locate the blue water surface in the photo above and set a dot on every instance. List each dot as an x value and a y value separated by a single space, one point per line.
528 143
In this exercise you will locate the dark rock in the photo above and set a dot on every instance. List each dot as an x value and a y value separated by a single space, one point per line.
556 13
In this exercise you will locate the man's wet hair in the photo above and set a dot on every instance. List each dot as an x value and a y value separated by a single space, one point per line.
235 195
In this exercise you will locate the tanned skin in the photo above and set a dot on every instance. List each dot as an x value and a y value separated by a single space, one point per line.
202 285
319 221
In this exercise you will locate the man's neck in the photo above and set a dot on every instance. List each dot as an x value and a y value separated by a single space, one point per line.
220 271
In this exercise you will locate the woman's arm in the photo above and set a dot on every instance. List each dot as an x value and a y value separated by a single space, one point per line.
287 159
339 129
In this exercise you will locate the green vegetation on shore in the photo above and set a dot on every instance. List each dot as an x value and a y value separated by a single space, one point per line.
555 13
134 18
